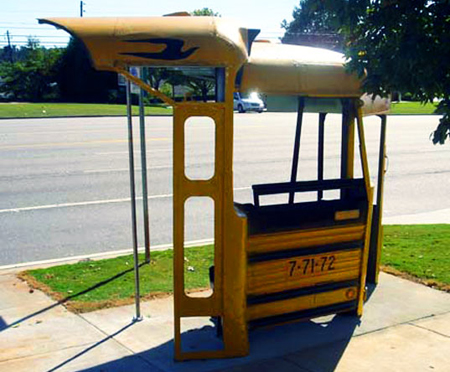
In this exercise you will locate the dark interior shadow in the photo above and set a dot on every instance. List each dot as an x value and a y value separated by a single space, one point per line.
68 298
313 345
370 289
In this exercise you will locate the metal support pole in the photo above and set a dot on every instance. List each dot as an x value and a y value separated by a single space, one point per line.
133 204
321 151
298 132
381 163
144 174
377 227
347 142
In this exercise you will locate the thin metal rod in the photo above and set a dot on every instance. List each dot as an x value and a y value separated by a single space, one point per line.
298 132
345 138
321 151
137 295
381 164
144 174
362 146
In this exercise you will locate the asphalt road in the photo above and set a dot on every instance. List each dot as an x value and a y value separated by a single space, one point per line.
64 183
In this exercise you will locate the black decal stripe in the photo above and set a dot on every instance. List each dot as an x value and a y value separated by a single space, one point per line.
285 295
304 314
357 244
172 52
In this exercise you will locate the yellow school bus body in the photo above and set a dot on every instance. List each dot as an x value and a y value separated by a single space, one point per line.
260 274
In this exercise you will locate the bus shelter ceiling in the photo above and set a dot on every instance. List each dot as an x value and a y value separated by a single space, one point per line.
115 43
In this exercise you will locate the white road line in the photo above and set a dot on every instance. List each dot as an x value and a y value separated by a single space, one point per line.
92 202
125 169
98 256
126 152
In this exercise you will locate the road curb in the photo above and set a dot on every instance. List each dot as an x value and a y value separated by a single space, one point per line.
6 269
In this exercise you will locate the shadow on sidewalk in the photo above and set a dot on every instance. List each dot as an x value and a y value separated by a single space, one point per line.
4 326
311 345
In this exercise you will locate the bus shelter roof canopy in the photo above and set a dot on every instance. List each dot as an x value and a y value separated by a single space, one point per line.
293 70
159 41
282 69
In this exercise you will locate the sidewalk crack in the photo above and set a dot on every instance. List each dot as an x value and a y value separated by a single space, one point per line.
430 330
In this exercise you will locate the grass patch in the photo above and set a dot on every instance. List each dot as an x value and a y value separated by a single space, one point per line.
421 252
91 285
44 110
417 252
412 108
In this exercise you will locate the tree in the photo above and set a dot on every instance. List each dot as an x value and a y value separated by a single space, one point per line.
79 81
33 77
323 22
201 86
404 45
311 16
205 12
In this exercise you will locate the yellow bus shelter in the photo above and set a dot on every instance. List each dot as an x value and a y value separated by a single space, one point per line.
272 263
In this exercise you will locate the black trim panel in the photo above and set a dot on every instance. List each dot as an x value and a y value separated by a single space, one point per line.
356 244
304 314
302 186
285 295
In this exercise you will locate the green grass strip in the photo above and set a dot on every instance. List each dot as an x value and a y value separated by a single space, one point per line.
412 108
97 284
420 251
43 110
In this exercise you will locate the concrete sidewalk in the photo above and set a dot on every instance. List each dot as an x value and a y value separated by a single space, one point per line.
405 327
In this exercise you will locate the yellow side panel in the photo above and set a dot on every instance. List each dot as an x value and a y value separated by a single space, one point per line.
301 303
303 271
307 238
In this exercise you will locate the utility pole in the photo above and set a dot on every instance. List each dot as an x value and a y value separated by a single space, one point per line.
81 8
11 59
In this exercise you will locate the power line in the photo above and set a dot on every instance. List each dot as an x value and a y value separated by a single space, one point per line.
30 28
22 43
43 36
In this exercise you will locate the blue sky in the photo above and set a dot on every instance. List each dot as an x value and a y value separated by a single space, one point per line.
19 16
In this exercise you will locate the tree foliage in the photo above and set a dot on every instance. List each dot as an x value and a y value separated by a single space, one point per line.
79 81
404 45
395 45
324 17
33 77
205 12
322 23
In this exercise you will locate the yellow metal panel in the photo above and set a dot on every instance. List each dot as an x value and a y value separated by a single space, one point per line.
228 299
347 215
235 332
365 257
183 189
289 273
188 41
301 303
298 70
264 243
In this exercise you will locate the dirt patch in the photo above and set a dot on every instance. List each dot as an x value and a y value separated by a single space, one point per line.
428 282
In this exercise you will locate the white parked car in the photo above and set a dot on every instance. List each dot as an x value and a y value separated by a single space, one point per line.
250 102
